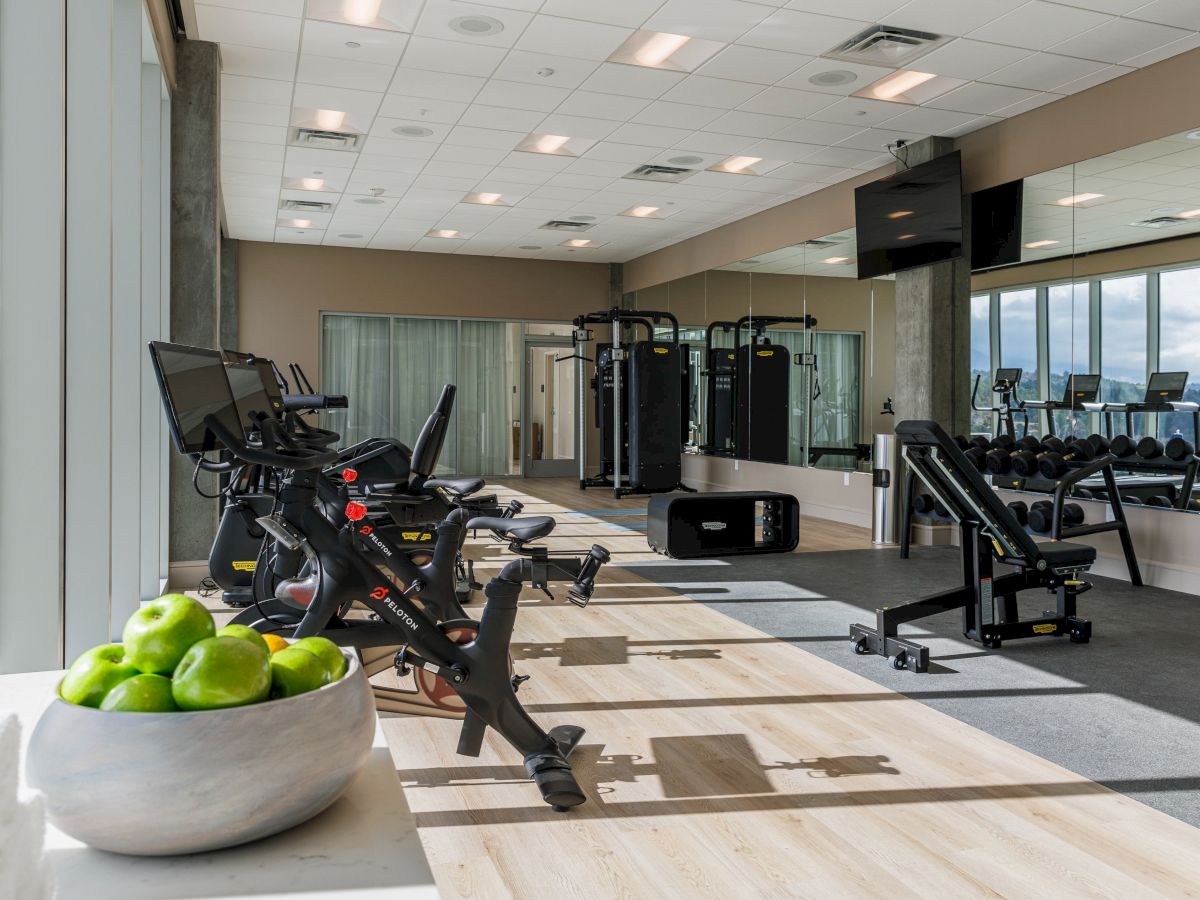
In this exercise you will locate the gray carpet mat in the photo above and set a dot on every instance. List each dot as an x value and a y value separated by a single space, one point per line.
1122 710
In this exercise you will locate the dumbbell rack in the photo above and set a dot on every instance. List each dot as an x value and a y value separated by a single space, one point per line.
1188 467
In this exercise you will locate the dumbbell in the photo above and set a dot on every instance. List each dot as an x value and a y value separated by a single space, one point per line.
999 461
976 456
1122 446
1082 494
940 510
1020 511
1149 448
1178 449
1041 516
1193 505
1131 501
1160 500
1025 462
1002 441
1100 442
923 504
1054 463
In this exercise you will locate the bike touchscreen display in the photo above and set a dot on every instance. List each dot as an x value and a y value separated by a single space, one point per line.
194 386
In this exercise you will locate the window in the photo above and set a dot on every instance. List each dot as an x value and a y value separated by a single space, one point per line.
1179 341
1069 343
1018 343
1123 338
981 354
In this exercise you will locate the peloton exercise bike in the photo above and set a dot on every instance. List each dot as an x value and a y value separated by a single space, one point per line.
473 662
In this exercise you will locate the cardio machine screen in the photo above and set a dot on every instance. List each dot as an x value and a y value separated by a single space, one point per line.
1166 386
254 387
1081 389
193 384
1011 377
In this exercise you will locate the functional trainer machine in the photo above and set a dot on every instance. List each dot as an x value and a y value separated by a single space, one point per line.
638 391
989 531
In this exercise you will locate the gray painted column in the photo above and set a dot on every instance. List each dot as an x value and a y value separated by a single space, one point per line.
229 294
195 259
933 327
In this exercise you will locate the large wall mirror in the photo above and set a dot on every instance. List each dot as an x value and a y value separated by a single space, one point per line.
1106 300
792 356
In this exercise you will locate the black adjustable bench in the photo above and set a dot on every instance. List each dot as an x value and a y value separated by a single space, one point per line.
988 531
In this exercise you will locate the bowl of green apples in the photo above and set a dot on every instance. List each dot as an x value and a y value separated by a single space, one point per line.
184 737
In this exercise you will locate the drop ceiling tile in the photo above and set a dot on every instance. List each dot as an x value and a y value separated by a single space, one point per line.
782 151
252 150
1112 7
391 15
252 29
1120 39
859 111
484 137
630 153
600 167
1082 84
878 138
1039 25
810 131
521 96
396 106
747 124
255 90
387 149
969 126
247 166
753 64
342 73
540 162
254 113
368 181
1179 13
438 14
570 179
293 8
436 85
719 92
256 62
950 16
459 185
796 31
1191 42
545 69
479 115
980 98
842 156
303 169
632 81
862 76
602 106
547 192
577 126
513 175
930 121
359 106
969 59
712 142
648 135
306 158
781 101
375 45
435 55
677 115
712 20
570 37
385 128
242 131
1044 71
530 6
1040 98
629 13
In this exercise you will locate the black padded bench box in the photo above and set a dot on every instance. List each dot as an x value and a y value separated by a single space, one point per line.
690 526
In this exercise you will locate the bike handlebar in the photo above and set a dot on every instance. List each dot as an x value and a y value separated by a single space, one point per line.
298 402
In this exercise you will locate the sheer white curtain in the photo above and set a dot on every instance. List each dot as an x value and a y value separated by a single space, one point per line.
355 361
837 413
424 358
484 431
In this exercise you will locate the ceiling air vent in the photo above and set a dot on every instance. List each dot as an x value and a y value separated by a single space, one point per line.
325 140
886 45
1159 222
818 244
652 172
559 225
309 206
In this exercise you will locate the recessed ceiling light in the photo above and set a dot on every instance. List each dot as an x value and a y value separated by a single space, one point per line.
301 223
641 212
1190 214
1035 245
736 165
413 131
330 119
905 237
351 236
528 247
447 233
833 78
551 143
664 50
1166 210
477 26
312 184
1076 199
900 214
896 86
554 144
835 260
485 198
361 12
576 242
686 160
368 201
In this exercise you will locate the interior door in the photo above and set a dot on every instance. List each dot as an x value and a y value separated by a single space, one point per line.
549 412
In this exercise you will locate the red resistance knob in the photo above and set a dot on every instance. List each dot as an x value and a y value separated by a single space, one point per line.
355 511
349 476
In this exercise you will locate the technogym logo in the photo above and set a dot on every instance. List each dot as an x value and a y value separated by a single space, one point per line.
713 526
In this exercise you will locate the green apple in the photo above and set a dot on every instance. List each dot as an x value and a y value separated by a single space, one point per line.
246 633
327 652
141 693
158 634
95 673
221 671
295 671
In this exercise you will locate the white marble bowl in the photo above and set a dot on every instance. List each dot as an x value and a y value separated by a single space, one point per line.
157 784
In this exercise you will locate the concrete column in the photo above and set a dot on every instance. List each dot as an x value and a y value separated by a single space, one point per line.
933 327
229 295
195 260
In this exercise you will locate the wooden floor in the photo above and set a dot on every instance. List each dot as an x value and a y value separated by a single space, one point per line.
720 762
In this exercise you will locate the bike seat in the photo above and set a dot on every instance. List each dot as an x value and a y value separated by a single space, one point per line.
527 529
458 487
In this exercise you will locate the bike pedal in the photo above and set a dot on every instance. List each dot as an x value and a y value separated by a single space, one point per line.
518 680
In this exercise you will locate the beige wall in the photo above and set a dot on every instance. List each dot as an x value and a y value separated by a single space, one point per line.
1144 105
284 288
1101 262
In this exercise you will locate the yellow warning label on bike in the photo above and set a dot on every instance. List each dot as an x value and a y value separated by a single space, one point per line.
765 353
662 350
1047 628
244 565
415 535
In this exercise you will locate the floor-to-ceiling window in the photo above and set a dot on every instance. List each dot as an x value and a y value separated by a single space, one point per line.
981 355
1179 341
1068 326
1123 338
1018 341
